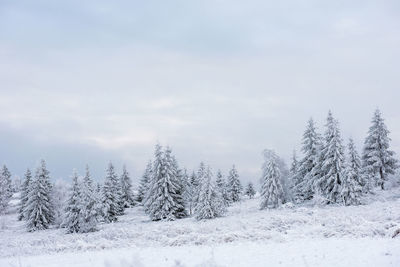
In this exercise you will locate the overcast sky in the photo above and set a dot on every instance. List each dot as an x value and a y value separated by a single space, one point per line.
219 81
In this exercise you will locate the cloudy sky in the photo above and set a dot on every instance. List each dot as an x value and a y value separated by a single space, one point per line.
219 81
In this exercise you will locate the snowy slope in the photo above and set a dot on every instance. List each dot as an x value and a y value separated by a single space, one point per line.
302 231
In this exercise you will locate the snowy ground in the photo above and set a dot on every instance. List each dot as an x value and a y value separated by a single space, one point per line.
246 236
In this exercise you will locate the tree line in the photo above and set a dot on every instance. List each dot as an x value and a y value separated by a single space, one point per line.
324 174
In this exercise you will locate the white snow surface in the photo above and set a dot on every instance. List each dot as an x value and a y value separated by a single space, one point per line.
303 235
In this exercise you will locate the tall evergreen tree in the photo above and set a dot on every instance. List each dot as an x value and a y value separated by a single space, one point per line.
179 180
222 188
39 207
210 203
126 189
192 194
305 178
144 183
377 159
165 201
24 195
332 168
294 167
98 196
351 186
234 186
272 194
5 188
250 192
88 209
111 194
73 208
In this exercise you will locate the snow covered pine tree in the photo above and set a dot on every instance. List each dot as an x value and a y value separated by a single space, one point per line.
250 192
234 187
165 200
304 180
73 208
351 186
5 189
126 189
24 195
210 203
39 207
377 159
222 188
144 183
272 194
88 209
111 194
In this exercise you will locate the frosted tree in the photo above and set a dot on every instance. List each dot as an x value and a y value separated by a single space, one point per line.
99 207
126 189
88 208
332 168
179 179
5 188
284 172
192 193
234 185
305 178
111 194
59 197
144 183
24 194
73 208
272 193
222 188
39 207
210 203
295 165
250 192
165 200
377 159
185 180
351 185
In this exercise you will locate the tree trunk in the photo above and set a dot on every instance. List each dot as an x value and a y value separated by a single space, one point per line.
382 180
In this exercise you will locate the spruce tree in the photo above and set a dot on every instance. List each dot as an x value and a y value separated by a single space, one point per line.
99 206
180 183
210 203
250 192
144 183
165 200
294 168
89 209
332 168
73 208
39 207
234 186
126 189
5 189
377 159
222 188
305 177
351 186
192 192
111 193
272 194
24 195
